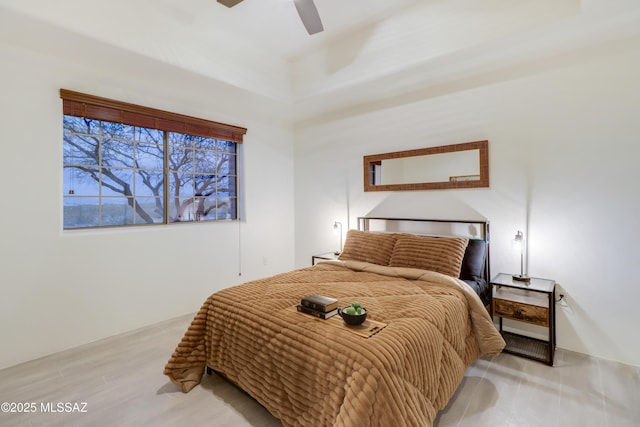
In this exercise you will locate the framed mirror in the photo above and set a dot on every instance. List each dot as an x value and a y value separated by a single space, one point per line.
433 168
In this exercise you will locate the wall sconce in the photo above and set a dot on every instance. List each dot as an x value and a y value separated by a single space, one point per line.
337 228
518 244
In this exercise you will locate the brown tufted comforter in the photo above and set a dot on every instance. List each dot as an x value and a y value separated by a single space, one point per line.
309 373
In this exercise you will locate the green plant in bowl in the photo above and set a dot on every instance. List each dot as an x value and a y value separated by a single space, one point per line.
355 308
355 314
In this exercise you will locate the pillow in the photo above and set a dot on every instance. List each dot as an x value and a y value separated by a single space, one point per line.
364 246
441 254
473 261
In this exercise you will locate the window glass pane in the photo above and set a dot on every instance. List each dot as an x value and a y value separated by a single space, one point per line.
81 182
80 150
149 183
204 184
232 185
180 159
199 209
206 144
149 156
181 140
79 125
207 161
116 211
231 164
227 186
217 208
149 135
209 209
150 210
226 164
181 185
117 131
227 146
182 209
81 212
232 210
117 153
117 182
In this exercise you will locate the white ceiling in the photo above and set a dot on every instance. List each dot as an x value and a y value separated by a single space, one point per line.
275 24
371 51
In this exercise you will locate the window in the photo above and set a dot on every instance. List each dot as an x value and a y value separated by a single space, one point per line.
127 165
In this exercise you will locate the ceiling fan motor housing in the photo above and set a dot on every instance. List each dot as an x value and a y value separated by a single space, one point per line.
229 3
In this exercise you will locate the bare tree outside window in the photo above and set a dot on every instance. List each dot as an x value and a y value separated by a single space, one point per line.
116 174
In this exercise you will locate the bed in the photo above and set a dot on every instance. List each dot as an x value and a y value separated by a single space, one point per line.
307 371
475 268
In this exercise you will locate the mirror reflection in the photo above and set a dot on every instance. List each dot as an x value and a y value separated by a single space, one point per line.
450 166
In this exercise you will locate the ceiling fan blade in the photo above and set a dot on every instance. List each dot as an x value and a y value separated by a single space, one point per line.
309 15
229 3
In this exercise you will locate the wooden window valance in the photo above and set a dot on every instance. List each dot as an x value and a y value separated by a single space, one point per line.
97 108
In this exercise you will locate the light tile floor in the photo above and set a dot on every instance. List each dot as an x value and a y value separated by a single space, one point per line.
579 390
120 379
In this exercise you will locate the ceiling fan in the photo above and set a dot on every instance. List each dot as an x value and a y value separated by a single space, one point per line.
306 9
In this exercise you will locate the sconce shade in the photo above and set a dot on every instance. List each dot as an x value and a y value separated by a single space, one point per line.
518 244
337 226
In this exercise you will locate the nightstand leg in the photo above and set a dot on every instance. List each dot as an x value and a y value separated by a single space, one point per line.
552 326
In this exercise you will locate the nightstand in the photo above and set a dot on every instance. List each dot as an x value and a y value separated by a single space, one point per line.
324 257
531 302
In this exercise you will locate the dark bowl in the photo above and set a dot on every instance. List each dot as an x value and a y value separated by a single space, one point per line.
353 319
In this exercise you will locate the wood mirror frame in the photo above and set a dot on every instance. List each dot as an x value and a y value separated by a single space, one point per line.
477 181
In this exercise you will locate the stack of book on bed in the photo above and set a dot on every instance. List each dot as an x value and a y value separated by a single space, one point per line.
319 306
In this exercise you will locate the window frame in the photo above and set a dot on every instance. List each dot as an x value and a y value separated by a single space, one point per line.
108 110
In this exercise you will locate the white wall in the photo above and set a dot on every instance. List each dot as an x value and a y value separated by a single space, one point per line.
563 148
183 34
62 289
553 87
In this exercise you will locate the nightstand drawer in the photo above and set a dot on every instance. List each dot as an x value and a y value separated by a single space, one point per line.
522 312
